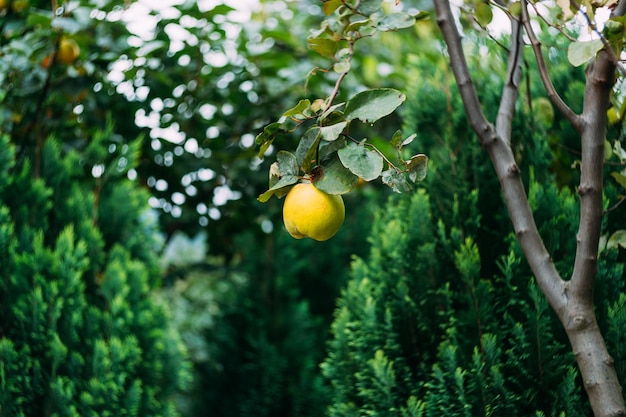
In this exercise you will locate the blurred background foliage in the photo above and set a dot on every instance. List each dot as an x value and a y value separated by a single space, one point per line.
170 96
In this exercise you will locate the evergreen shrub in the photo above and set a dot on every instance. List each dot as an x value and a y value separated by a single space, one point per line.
80 332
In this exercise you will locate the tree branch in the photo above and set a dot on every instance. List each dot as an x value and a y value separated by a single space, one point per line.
572 300
476 117
600 81
510 91
579 320
553 95
600 76
501 154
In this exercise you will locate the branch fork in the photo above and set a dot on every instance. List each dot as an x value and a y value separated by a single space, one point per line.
572 299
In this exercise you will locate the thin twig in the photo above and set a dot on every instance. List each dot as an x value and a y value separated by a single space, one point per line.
607 46
554 96
333 95
615 206
553 25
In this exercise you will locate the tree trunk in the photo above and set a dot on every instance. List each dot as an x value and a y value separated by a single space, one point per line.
571 299
594 362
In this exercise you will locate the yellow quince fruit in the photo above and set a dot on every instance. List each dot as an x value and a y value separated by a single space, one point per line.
310 212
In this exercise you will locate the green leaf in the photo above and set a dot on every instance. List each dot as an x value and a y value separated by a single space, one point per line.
221 9
274 174
334 178
331 111
614 28
341 67
264 147
396 181
367 7
409 139
283 173
267 136
305 152
323 46
621 179
361 161
280 189
483 13
287 163
515 8
617 239
619 151
417 167
421 15
371 105
358 24
331 5
39 19
579 53
301 109
328 148
396 139
332 132
395 21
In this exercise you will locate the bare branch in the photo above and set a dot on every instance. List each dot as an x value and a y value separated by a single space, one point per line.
554 96
510 92
615 206
501 154
476 117
600 79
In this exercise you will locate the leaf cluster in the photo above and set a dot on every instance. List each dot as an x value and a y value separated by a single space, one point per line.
333 160
327 154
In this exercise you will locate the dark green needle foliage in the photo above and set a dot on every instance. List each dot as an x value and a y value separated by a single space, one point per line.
419 332
80 333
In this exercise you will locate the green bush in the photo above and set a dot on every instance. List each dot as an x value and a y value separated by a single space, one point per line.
80 333
419 330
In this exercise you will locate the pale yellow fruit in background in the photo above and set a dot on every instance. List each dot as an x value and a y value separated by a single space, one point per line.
68 51
309 212
19 6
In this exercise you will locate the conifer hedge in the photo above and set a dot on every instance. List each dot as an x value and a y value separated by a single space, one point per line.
80 334
419 331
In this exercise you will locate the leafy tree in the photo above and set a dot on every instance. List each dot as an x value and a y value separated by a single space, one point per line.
570 298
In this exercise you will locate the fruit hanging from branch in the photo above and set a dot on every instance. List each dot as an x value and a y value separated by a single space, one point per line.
310 212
